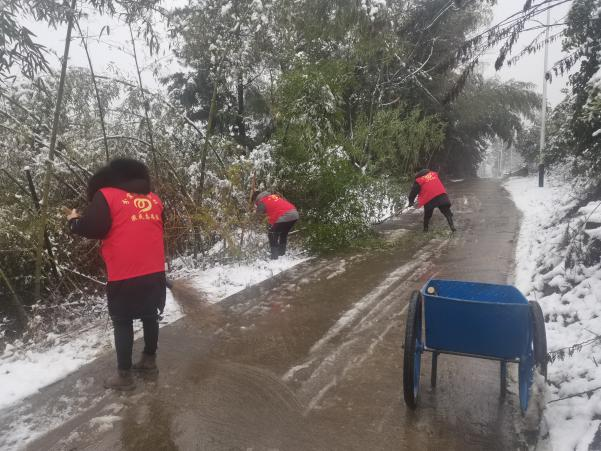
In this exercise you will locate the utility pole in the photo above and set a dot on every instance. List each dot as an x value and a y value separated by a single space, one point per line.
543 115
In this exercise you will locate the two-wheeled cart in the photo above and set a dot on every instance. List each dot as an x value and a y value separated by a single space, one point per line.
473 319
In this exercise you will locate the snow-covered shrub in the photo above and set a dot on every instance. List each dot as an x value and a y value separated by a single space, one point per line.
318 167
4 324
583 236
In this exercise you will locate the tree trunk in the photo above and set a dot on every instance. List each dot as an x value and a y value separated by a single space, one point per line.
100 110
371 116
240 116
208 134
43 219
36 204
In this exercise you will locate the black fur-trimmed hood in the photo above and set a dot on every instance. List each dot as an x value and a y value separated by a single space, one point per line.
123 173
422 173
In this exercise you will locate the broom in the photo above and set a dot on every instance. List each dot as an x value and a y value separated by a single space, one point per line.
195 304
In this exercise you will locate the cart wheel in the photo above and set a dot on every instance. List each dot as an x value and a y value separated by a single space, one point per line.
503 379
539 337
413 350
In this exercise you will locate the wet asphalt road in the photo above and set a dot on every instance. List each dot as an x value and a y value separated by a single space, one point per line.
311 359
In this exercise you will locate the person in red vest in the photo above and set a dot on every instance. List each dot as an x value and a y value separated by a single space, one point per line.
281 216
431 194
128 218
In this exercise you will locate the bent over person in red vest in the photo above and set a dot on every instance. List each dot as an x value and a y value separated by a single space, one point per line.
281 216
431 194
128 219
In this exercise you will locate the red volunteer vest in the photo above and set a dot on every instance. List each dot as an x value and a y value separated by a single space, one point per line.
430 187
134 245
275 207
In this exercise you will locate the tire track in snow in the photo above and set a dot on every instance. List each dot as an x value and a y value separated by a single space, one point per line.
359 331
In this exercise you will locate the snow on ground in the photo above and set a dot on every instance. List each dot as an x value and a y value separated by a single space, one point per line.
557 263
25 368
222 281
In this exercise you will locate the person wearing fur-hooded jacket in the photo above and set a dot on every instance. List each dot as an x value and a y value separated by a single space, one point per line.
127 217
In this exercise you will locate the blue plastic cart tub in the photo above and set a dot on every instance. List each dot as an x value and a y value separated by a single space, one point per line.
479 319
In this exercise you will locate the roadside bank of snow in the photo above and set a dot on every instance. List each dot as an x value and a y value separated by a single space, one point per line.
557 264
27 367
219 282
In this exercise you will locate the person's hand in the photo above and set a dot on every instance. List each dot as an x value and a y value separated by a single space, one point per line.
71 213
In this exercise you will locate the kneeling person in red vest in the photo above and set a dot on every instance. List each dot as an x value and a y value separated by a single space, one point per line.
281 216
128 219
431 194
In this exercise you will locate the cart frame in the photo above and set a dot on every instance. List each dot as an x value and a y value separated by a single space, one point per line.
473 319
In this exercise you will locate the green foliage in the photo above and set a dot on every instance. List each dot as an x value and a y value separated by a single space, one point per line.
398 140
485 109
308 108
313 168
527 143
230 52
334 104
573 130
329 175
330 200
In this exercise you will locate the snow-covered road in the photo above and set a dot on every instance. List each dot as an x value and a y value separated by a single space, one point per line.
25 368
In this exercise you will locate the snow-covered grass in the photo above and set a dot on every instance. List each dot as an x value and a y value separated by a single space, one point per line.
27 367
557 264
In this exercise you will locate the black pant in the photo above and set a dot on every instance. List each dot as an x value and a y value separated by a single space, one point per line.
124 338
444 209
138 297
278 237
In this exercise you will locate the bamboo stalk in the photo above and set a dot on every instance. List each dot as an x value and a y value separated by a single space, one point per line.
205 147
36 204
43 219
177 111
100 110
145 104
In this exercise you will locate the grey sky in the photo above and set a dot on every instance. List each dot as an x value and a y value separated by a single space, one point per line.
530 68
111 54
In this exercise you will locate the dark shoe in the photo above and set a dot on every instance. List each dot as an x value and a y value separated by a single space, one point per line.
147 364
122 381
